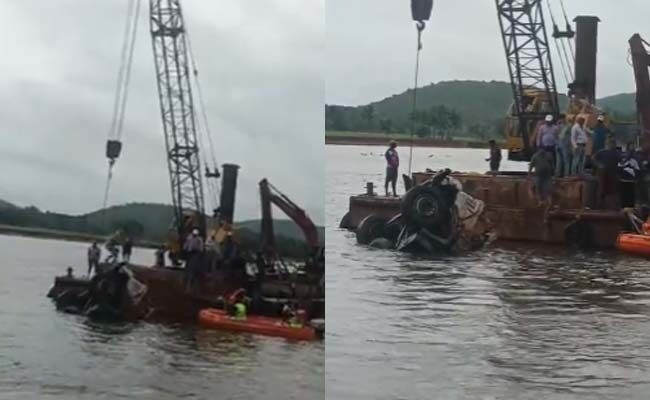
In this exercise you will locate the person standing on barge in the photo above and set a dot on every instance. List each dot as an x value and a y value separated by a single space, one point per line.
94 255
563 151
579 143
495 156
392 165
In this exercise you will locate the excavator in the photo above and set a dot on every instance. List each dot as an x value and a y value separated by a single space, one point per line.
532 77
269 195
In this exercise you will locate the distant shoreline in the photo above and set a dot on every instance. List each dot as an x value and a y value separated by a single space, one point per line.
375 139
42 233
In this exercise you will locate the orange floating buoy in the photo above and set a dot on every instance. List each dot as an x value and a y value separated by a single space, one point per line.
634 243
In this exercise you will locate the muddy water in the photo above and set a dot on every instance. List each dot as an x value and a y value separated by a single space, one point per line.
513 322
48 355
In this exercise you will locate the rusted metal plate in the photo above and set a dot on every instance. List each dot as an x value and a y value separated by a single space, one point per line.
513 209
515 190
169 296
363 205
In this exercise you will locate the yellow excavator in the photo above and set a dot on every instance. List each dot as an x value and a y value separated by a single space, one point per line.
530 67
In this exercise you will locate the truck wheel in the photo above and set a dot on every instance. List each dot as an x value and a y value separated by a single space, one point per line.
370 228
345 221
393 227
424 206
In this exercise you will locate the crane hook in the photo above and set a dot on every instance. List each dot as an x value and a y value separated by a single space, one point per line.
420 12
420 26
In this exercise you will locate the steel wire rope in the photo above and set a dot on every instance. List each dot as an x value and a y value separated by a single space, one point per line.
121 92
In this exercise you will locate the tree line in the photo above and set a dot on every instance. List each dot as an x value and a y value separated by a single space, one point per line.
32 217
436 122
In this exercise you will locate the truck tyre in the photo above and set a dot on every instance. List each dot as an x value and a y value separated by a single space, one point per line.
425 206
345 221
370 228
393 227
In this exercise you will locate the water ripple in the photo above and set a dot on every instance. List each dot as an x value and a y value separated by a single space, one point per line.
50 355
515 321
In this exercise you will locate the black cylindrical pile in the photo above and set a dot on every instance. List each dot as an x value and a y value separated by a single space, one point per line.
584 85
228 189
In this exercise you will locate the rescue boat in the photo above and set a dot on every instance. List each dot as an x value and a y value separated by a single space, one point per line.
219 319
634 243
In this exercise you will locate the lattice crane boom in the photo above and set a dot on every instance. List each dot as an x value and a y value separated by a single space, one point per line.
170 49
529 62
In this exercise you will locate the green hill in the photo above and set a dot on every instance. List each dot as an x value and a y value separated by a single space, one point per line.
158 217
282 227
155 219
6 205
147 221
480 105
623 104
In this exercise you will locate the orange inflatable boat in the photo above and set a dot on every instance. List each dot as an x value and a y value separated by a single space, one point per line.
219 319
634 243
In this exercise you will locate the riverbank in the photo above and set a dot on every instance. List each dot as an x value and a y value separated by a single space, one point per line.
380 139
61 235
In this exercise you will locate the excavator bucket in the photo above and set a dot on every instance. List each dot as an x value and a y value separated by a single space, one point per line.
421 9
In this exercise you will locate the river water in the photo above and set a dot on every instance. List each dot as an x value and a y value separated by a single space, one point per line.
45 354
512 322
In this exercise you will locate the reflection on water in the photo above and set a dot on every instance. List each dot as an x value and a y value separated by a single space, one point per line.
49 355
513 322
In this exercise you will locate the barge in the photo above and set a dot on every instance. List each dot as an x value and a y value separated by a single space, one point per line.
513 209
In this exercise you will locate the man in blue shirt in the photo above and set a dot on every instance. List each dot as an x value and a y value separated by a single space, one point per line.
600 134
547 135
563 150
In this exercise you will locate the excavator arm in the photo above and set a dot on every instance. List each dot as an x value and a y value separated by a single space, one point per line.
270 195
641 62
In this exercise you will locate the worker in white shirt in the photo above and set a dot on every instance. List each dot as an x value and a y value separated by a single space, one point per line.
579 142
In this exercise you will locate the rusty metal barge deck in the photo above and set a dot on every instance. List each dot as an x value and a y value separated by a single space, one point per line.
511 206
168 298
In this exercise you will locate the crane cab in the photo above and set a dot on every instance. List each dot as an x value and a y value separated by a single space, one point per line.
521 127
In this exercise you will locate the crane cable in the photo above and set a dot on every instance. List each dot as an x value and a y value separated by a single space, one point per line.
122 80
420 25
564 62
420 11
569 60
566 19
121 92
211 186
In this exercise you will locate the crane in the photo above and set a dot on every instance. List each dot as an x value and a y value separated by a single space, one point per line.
270 195
170 49
531 72
641 62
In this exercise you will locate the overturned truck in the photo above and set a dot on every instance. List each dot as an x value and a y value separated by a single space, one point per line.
435 216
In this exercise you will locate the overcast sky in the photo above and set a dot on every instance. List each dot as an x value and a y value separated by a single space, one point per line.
371 45
260 66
